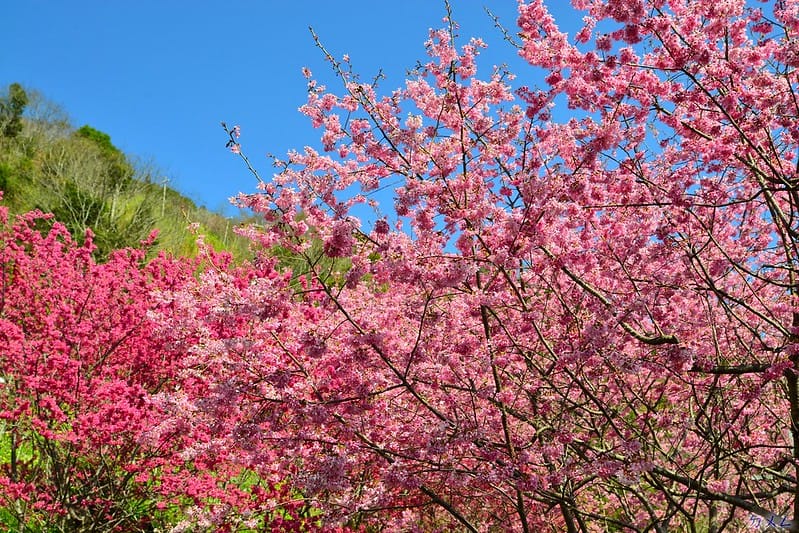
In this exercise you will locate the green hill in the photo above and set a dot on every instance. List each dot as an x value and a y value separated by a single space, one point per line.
86 182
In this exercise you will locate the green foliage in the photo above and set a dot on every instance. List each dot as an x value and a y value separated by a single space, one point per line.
6 175
102 140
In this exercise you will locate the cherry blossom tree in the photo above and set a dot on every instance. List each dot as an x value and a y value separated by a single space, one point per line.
89 440
78 368
579 313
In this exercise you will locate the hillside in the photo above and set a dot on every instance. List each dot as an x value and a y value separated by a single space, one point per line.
77 174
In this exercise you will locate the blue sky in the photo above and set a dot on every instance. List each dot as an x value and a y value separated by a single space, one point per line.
159 76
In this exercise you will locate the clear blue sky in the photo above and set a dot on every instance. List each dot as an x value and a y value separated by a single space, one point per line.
160 75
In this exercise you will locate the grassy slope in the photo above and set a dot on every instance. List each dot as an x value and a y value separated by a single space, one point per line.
86 182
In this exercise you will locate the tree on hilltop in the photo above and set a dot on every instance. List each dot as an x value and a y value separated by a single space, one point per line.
11 108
